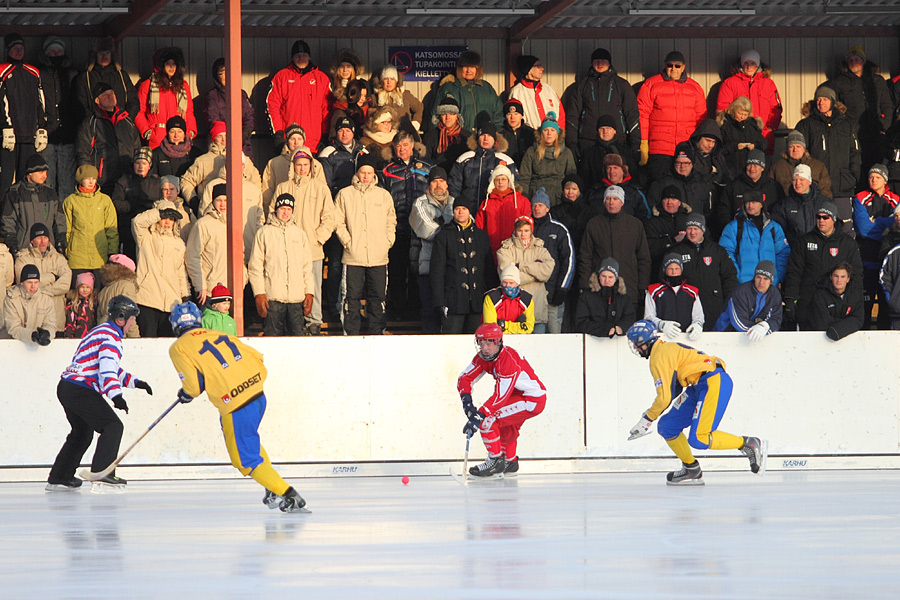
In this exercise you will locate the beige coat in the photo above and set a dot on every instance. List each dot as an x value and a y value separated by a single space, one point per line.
535 267
24 313
161 275
206 252
281 262
279 169
206 168
313 210
251 205
118 280
56 276
7 271
366 224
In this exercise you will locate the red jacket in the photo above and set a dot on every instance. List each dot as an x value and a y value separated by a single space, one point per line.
497 216
513 376
301 98
168 108
763 95
670 111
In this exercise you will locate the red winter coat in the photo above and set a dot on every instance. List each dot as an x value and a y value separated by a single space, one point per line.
168 108
670 111
301 98
763 95
498 214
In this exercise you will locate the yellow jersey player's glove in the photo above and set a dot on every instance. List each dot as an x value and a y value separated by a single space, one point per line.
641 428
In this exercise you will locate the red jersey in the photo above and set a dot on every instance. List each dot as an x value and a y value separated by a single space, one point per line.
512 376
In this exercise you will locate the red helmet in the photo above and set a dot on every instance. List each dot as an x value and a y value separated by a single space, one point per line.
489 332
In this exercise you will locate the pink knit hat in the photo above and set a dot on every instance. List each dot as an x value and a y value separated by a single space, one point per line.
86 278
121 259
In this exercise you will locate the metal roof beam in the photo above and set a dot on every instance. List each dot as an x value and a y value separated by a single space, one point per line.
525 26
119 27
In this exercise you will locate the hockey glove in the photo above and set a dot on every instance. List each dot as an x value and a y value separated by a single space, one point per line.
40 140
119 402
694 331
758 331
468 405
640 429
183 396
9 139
670 328
474 423
143 385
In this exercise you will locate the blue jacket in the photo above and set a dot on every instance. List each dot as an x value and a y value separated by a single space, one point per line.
746 307
872 214
747 245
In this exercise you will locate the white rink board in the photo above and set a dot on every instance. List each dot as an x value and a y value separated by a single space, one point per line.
385 399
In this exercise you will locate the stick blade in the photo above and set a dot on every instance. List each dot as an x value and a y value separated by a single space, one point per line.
460 478
89 475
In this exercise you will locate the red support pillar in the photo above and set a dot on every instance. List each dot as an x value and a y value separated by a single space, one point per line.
234 165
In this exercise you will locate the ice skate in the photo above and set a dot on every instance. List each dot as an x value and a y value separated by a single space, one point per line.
756 451
71 485
109 485
686 475
292 502
512 468
493 467
272 500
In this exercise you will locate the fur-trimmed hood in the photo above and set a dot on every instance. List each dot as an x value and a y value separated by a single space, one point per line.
338 89
809 108
594 283
723 115
500 143
684 209
374 114
113 272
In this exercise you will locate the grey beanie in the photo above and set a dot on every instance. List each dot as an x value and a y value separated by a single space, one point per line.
766 268
756 157
672 257
695 220
823 91
540 197
795 137
610 264
830 209
880 169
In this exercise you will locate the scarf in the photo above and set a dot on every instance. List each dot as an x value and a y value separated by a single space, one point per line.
85 190
382 138
448 136
153 97
176 150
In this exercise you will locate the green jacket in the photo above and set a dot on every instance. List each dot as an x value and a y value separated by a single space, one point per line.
474 98
217 321
91 229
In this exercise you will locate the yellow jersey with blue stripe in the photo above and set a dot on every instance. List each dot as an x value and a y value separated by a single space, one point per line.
228 370
674 367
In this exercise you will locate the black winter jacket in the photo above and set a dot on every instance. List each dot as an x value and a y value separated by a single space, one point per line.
113 75
732 198
797 214
601 309
833 140
339 164
21 100
462 268
695 191
558 243
405 182
622 237
838 315
26 204
63 114
519 140
108 142
594 95
739 132
708 268
710 166
590 167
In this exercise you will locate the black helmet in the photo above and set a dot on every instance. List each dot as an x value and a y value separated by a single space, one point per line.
122 307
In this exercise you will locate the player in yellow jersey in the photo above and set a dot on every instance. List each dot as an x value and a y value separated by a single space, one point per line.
232 374
706 388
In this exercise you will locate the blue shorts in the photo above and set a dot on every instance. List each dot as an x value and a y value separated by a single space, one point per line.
241 431
703 408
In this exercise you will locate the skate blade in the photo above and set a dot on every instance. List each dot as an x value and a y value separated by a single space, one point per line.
686 482
488 478
106 488
56 487
298 510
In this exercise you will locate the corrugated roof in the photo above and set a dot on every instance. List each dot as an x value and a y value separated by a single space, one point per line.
463 13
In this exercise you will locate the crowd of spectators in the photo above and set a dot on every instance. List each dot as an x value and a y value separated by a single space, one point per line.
545 213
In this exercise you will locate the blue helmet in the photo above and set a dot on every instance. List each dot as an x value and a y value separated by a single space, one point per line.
184 317
641 333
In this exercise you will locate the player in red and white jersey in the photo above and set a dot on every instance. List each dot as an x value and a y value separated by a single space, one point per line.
518 396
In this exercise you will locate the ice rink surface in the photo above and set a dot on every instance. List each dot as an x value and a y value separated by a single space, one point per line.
821 535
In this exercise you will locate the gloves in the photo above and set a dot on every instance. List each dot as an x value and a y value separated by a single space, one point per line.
640 429
262 305
119 402
474 423
670 328
9 139
832 334
147 134
694 331
61 245
790 310
502 324
645 152
444 312
468 405
143 385
559 297
40 140
43 336
278 140
307 304
758 331
183 396
35 336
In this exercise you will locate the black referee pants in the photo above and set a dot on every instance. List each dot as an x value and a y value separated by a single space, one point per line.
87 412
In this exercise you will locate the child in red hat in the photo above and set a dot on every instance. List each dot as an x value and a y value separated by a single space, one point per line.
216 314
